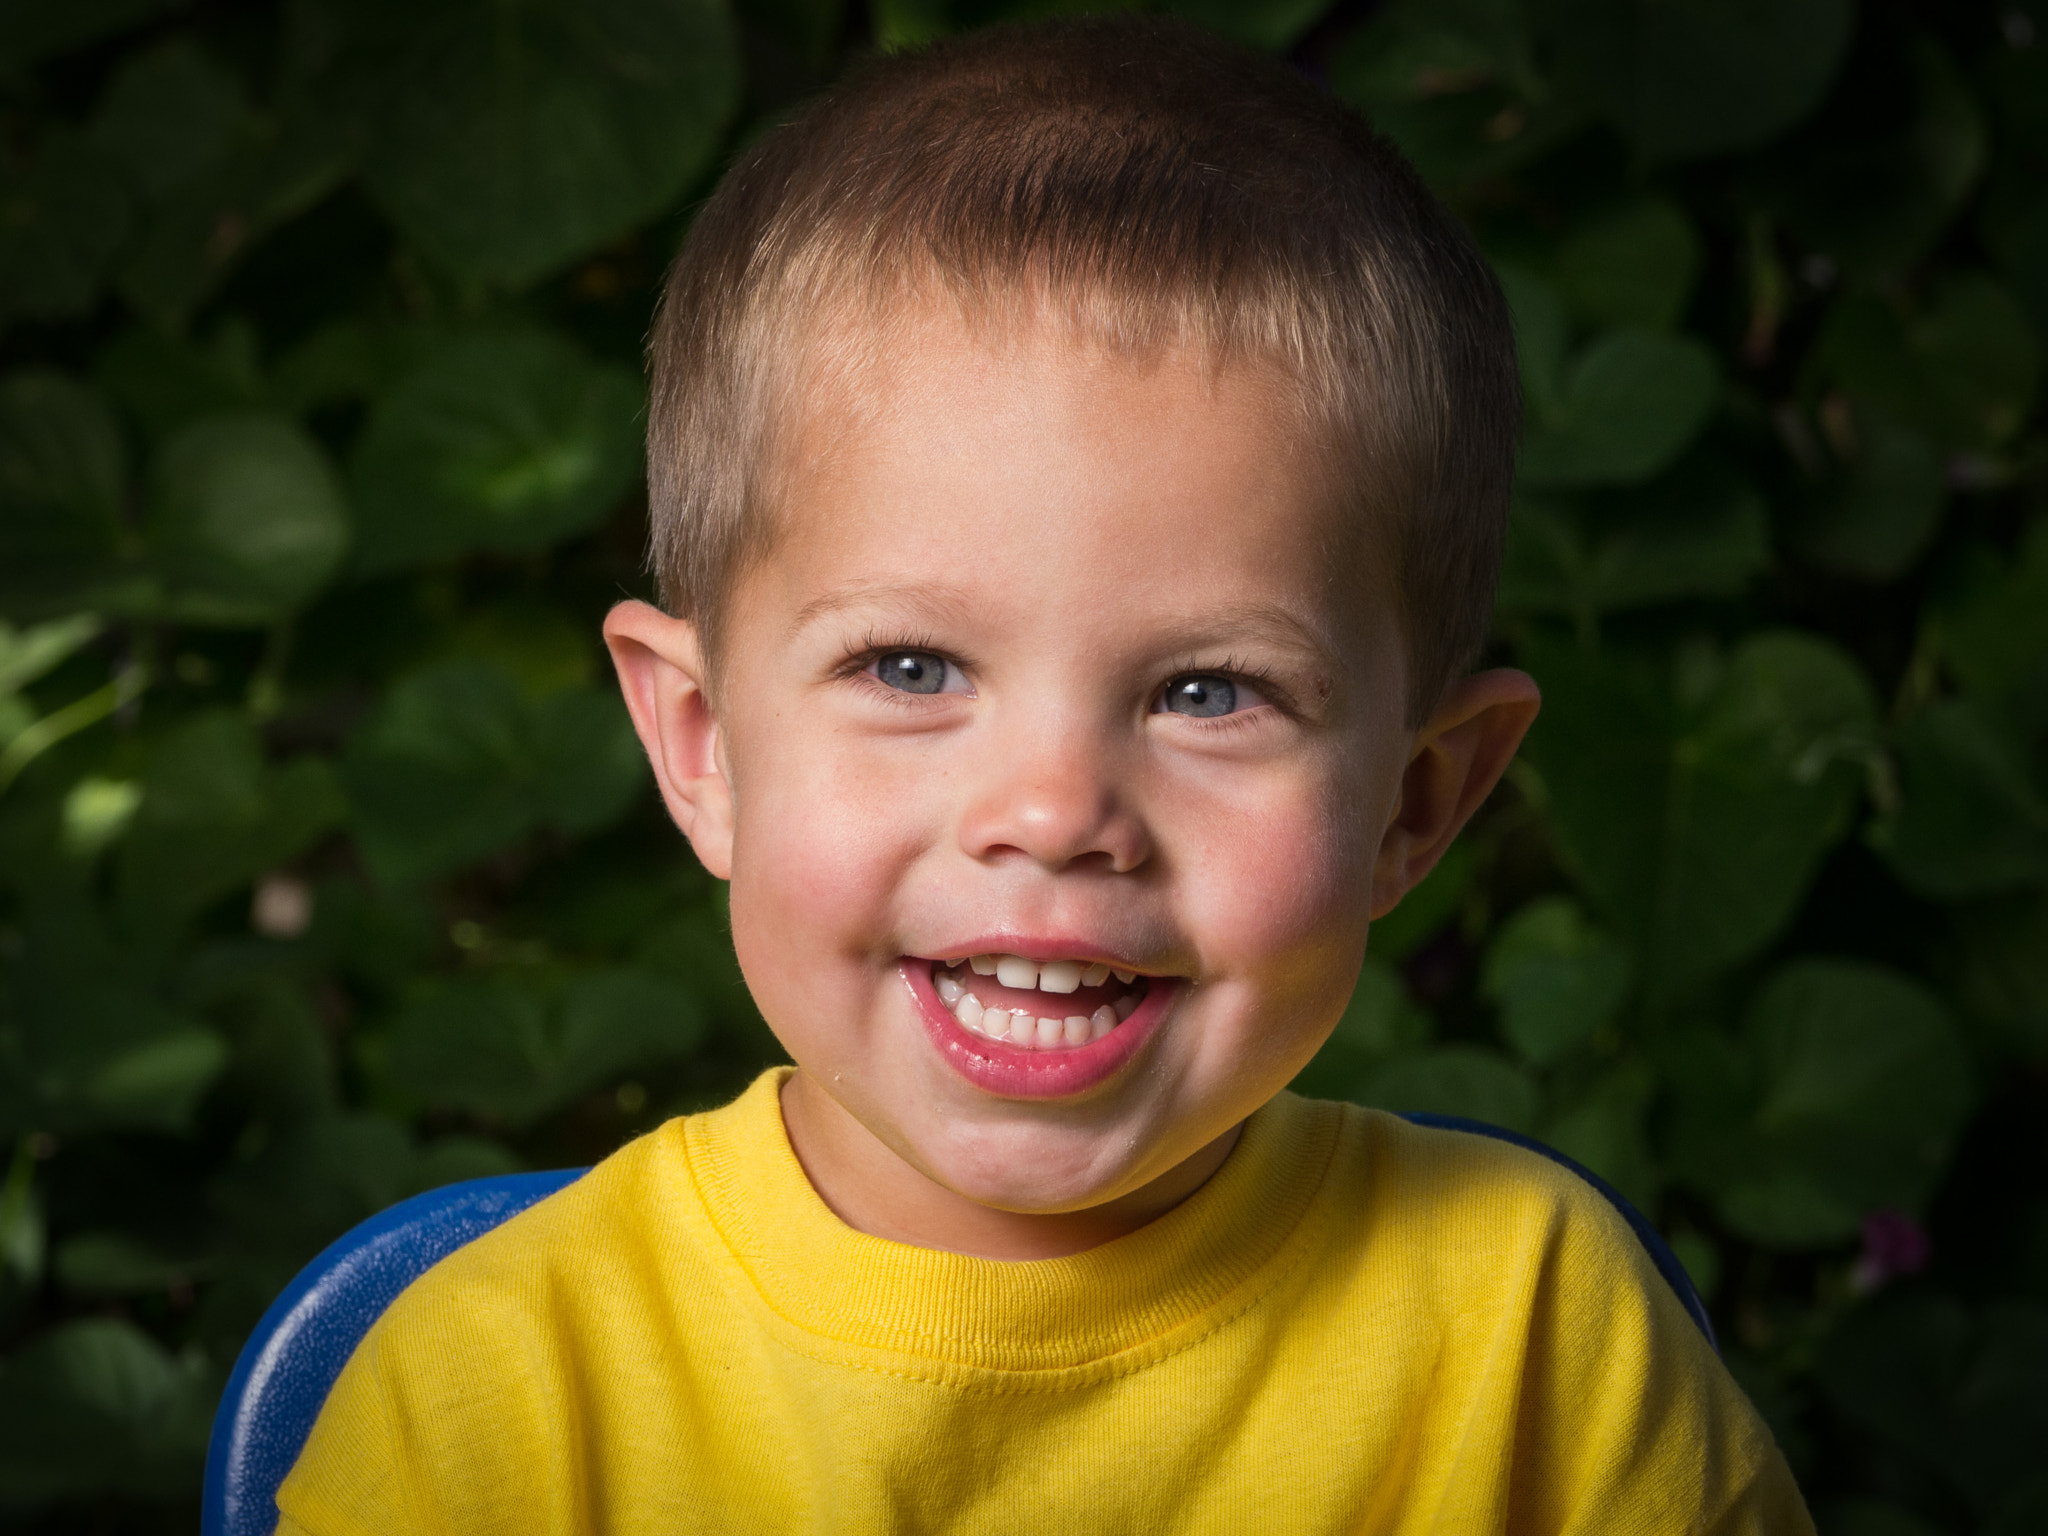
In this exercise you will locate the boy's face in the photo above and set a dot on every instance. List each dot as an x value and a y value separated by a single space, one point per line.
1056 657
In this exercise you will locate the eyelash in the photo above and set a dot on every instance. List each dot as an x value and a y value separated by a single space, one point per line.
872 646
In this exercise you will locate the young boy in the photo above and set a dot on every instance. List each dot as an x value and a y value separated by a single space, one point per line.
1079 459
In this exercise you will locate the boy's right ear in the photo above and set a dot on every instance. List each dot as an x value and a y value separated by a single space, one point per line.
661 672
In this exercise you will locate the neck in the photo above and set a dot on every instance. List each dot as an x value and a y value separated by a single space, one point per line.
873 1189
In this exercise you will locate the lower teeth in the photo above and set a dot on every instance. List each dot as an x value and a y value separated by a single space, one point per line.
1024 1030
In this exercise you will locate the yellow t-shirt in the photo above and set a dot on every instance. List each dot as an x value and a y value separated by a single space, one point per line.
1356 1325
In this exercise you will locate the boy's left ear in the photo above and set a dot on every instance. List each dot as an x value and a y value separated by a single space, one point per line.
1457 759
661 672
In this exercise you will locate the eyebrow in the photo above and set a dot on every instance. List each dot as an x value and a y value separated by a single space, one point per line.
1253 623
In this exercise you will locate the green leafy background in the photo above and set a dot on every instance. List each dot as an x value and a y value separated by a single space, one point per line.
330 870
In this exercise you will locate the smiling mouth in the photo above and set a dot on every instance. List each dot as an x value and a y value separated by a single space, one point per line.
1038 1005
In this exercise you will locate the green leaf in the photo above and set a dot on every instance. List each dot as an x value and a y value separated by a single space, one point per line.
1971 821
114 1264
457 763
505 441
170 113
249 520
312 1180
1628 405
1995 637
1633 266
437 773
97 1407
215 814
1556 978
1946 1388
1690 78
507 142
1963 370
26 655
490 1046
1274 25
1466 1080
34 30
1453 84
2001 968
1879 513
63 215
168 381
588 763
63 480
1847 1097
1886 168
1695 806
1698 530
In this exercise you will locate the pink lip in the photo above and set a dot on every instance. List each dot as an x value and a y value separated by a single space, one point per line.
1012 1073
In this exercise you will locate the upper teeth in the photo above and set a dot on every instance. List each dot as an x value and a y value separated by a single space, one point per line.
1048 975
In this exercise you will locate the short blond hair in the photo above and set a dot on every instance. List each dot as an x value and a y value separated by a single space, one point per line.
1157 186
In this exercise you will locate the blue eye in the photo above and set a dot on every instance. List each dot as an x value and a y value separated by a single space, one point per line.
912 671
1204 695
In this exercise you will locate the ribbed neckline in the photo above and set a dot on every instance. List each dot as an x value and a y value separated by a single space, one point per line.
1207 1256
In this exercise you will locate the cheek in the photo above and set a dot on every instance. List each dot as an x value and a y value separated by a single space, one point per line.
1283 871
821 841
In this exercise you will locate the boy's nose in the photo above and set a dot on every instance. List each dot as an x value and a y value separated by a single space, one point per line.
1056 804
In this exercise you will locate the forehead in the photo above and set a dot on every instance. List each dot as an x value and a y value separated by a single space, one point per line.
934 439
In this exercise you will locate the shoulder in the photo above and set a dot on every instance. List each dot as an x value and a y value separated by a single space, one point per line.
1473 1240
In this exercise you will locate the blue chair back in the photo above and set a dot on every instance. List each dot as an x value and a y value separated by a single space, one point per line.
298 1349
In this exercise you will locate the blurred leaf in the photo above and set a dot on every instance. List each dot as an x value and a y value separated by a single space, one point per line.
1466 1080
457 763
1886 168
167 381
111 1264
1995 637
1698 530
1690 78
63 215
1963 370
34 30
1971 821
1946 1388
1877 516
96 1406
588 763
504 441
494 1047
249 520
1846 1096
169 113
1696 806
1633 266
1627 406
26 655
505 143
438 772
1556 978
215 814
310 1180
2001 965
1453 84
1268 24
63 479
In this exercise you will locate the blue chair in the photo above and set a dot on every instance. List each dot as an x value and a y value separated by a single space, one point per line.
298 1349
